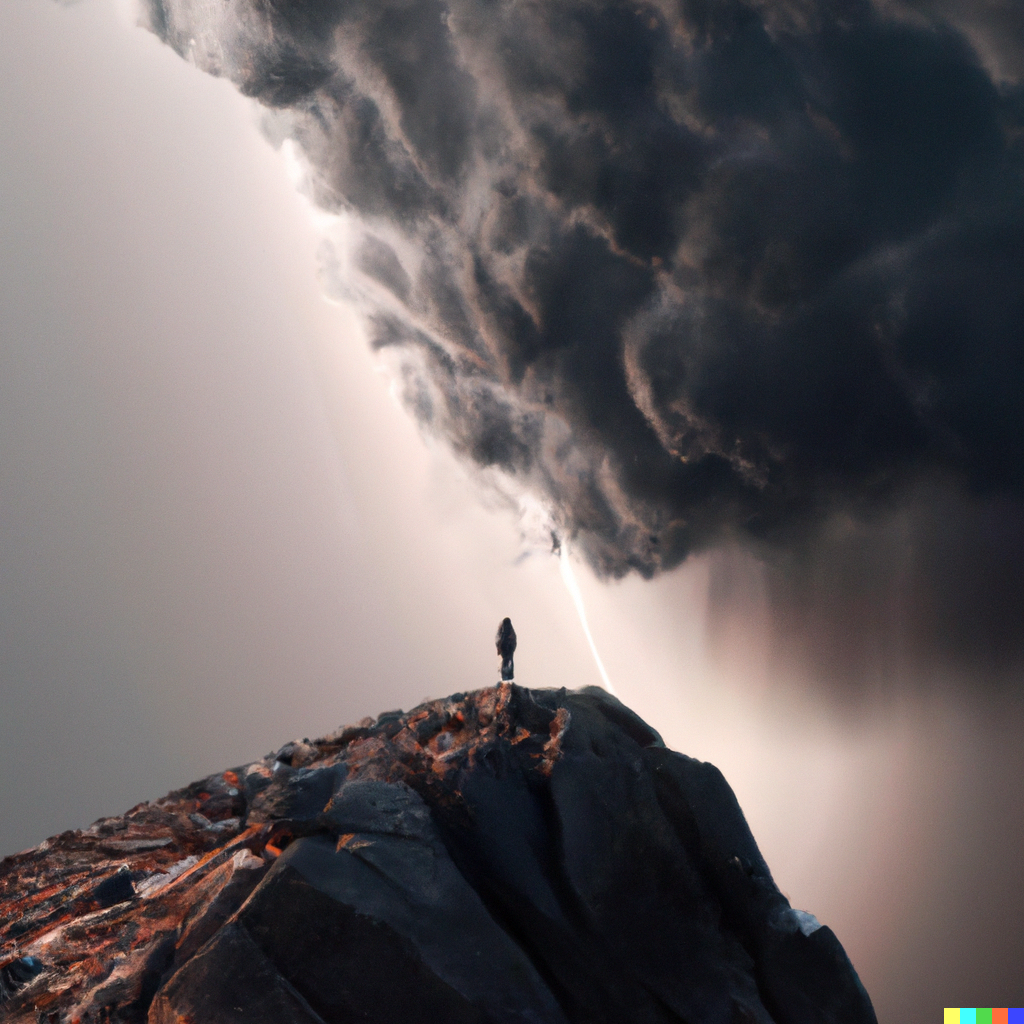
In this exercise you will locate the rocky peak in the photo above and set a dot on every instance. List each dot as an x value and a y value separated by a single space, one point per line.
507 855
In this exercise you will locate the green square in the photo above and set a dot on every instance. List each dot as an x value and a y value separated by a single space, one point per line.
984 1016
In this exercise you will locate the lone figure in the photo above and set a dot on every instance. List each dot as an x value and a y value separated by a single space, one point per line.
505 641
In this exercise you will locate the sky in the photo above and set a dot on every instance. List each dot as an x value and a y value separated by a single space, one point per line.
221 529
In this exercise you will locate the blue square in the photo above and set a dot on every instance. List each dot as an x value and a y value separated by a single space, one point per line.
1016 1015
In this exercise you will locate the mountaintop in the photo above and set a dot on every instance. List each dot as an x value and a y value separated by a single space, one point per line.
507 855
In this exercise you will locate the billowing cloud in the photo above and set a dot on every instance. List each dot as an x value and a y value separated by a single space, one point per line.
689 271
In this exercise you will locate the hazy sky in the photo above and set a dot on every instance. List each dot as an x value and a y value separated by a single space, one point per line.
220 530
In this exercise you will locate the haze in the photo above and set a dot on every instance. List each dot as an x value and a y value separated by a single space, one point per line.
219 530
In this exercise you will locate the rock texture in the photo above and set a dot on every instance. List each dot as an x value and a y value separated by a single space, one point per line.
508 855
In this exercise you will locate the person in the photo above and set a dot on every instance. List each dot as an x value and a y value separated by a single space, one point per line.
505 642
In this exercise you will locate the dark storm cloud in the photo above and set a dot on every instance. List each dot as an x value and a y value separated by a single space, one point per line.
689 271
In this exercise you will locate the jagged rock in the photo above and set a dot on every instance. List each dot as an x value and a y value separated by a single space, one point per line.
502 857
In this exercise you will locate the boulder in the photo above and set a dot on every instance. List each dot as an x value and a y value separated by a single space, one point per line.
507 856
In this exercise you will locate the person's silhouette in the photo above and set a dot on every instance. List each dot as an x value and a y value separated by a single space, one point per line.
505 641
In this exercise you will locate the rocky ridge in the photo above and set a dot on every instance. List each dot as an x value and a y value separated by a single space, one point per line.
507 855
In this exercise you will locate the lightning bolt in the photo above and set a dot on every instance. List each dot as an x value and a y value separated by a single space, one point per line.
569 579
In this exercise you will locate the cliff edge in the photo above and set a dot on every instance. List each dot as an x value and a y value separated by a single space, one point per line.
508 855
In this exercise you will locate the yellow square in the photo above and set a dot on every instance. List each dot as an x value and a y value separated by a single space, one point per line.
951 1015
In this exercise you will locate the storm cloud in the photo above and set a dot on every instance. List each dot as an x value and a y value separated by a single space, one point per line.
689 271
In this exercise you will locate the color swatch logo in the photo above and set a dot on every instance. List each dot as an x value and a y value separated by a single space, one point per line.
982 1015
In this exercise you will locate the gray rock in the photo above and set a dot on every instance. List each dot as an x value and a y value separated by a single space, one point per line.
530 857
501 857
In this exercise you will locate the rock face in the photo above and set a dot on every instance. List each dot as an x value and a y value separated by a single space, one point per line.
501 857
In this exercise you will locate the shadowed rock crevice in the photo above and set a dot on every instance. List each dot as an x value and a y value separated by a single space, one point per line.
501 857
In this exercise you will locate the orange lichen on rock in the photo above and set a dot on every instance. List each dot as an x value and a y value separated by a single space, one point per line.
390 870
110 909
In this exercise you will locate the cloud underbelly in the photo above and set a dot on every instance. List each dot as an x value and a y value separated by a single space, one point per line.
688 272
